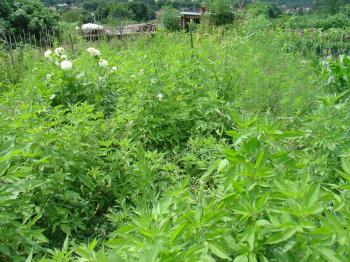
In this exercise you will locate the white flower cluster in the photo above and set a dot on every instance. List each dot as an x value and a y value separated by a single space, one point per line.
65 64
93 52
59 58
103 63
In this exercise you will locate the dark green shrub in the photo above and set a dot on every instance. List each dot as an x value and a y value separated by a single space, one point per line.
220 12
170 19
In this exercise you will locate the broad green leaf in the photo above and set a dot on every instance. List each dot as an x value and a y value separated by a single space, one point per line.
177 231
262 158
4 165
311 196
262 201
219 251
151 254
282 236
30 257
252 258
263 259
346 164
66 243
335 225
223 163
329 254
241 258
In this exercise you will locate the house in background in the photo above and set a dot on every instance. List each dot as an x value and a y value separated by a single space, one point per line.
191 16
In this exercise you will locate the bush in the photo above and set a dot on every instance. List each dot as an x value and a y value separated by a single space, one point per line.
170 19
73 15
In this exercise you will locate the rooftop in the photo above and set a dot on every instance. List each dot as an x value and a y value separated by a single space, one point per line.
191 13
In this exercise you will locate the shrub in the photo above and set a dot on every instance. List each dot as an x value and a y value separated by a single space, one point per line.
170 19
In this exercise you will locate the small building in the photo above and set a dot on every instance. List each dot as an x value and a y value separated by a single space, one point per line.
94 31
191 16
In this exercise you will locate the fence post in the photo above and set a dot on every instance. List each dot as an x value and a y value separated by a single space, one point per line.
9 45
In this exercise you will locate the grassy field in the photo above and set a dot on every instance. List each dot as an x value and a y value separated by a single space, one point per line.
235 150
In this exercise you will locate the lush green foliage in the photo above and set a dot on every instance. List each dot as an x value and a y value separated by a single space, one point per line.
234 150
170 19
320 21
220 12
132 10
291 3
26 16
317 41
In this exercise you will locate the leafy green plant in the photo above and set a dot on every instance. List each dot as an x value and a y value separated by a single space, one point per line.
170 19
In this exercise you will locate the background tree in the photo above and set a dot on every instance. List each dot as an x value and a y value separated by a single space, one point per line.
121 11
220 11
141 11
29 16
329 6
170 19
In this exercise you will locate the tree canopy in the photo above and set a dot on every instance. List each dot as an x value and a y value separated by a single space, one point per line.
29 16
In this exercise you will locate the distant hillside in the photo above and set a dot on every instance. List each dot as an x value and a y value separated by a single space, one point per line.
292 3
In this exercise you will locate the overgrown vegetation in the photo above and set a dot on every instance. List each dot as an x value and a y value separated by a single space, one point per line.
148 149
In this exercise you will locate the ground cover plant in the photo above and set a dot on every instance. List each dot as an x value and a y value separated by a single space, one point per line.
149 150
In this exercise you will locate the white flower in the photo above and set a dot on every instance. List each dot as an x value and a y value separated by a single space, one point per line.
59 51
93 52
48 53
160 96
103 63
113 69
48 77
64 57
66 65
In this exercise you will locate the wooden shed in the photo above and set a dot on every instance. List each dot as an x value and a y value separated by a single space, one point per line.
94 31
194 16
